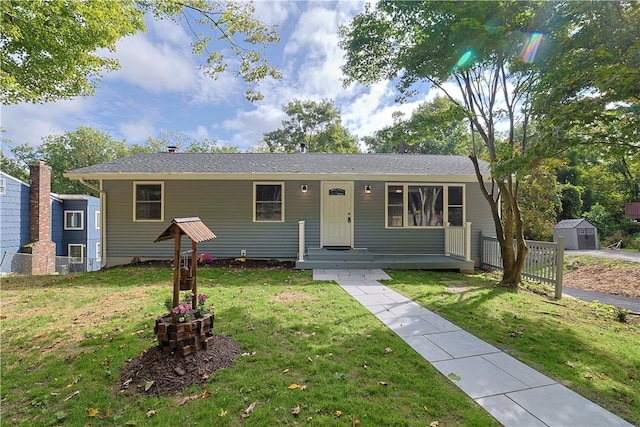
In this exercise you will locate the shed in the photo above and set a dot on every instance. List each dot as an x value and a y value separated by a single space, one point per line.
579 234
195 230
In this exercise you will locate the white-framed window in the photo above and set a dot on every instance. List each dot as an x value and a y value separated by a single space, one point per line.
97 220
148 201
423 205
98 251
268 201
76 253
3 186
73 220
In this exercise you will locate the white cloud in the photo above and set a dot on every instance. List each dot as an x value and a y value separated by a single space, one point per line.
201 133
137 131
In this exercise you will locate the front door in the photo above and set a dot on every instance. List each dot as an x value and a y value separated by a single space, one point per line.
337 213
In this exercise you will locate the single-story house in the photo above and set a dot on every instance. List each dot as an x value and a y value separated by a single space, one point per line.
61 229
578 234
323 210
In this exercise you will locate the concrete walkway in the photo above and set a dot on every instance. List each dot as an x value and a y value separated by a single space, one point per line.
515 394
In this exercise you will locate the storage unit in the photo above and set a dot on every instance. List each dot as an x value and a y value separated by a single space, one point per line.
579 234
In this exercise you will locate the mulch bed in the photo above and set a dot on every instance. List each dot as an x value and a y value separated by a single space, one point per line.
154 373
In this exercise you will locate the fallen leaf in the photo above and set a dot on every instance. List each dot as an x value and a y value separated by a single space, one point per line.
206 393
425 408
454 377
383 383
179 370
249 409
151 413
355 421
388 350
188 398
93 412
588 376
631 376
296 410
223 413
310 360
569 364
285 371
293 386
148 385
434 424
338 413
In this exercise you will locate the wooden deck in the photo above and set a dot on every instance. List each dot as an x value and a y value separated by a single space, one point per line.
363 258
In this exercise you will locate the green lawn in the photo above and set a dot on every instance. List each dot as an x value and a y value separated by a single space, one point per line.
64 339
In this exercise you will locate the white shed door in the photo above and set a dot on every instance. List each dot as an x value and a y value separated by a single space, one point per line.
337 213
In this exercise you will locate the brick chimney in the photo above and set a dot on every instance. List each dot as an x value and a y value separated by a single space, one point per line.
41 246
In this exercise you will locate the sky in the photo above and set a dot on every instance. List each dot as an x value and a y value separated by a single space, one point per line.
159 86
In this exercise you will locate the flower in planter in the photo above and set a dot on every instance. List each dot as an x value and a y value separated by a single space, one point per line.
182 311
205 259
202 298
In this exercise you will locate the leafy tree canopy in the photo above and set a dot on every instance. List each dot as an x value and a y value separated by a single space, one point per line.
48 49
182 142
318 125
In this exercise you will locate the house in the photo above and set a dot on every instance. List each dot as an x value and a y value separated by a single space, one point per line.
42 232
323 210
632 210
578 233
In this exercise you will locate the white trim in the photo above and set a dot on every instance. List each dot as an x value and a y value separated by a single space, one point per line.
72 258
98 251
282 200
96 220
190 176
161 184
69 227
405 203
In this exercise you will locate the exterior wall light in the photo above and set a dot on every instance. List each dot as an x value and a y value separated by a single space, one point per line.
304 188
367 189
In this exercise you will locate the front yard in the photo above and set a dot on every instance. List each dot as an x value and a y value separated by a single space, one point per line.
308 353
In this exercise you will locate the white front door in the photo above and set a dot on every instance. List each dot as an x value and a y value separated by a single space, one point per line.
337 213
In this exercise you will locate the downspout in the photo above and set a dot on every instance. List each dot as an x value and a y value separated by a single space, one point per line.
103 219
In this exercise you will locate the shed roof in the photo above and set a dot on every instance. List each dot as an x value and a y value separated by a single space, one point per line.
574 223
193 227
197 165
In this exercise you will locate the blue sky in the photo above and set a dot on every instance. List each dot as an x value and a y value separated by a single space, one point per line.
159 86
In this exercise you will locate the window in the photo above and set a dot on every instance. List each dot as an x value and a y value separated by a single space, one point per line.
423 205
3 186
73 220
148 201
76 254
97 220
98 251
268 202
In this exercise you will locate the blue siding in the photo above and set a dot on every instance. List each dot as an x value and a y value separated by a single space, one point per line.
14 215
57 223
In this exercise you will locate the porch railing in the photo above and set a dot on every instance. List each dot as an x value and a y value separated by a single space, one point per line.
544 262
457 241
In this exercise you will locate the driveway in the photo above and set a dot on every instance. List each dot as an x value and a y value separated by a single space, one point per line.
608 253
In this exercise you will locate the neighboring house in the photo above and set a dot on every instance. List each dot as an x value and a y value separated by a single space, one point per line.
632 210
324 210
578 233
34 220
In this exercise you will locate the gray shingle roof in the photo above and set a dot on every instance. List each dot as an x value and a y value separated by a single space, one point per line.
277 163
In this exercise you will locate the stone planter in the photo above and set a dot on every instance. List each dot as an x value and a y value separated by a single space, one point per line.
187 337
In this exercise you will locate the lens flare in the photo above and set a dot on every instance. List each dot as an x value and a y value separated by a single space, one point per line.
531 49
465 61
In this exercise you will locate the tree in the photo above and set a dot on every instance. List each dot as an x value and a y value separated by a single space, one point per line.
475 46
435 127
48 48
74 149
317 125
182 142
589 93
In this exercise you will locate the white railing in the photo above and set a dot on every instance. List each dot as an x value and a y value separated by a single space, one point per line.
301 241
544 262
457 241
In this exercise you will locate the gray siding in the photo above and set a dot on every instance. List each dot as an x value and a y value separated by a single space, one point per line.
226 208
